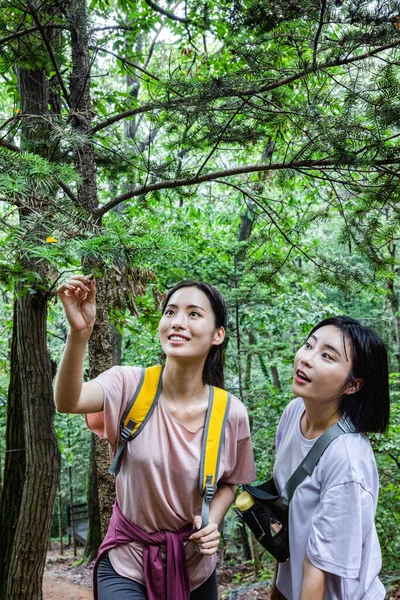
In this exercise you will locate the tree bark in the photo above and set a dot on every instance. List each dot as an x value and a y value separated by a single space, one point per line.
100 354
94 530
28 501
275 377
14 467
42 454
394 305
100 358
116 345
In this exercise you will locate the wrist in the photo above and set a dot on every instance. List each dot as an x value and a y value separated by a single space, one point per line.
80 336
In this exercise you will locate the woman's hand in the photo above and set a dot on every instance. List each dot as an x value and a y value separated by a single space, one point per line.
207 538
78 296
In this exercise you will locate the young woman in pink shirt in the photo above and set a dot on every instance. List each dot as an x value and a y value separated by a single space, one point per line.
157 487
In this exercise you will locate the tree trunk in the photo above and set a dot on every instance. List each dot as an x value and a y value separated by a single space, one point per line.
60 527
256 555
100 354
94 530
42 454
116 345
394 305
244 538
275 377
28 503
71 491
14 467
263 367
246 225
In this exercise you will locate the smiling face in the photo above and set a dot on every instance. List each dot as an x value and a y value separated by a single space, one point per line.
187 328
322 367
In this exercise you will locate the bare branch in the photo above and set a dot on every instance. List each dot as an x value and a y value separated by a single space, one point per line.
151 49
50 53
14 36
9 146
114 27
167 13
125 61
67 190
320 25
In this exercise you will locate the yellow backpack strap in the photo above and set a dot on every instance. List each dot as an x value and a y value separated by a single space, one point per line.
213 441
138 411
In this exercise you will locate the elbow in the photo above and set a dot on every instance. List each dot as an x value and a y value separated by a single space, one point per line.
61 408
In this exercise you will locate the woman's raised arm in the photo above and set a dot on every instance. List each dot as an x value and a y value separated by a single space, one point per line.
78 297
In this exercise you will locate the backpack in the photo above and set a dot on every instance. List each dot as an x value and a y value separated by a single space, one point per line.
266 511
139 411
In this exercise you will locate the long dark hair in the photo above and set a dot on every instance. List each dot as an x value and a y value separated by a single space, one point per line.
369 407
213 371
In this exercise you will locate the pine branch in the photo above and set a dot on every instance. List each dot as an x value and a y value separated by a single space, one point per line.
190 101
66 189
167 13
220 136
177 183
286 237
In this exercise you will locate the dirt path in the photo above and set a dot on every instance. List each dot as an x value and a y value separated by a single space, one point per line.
57 588
62 581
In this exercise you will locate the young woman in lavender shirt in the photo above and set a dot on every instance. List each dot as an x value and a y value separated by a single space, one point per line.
157 486
334 549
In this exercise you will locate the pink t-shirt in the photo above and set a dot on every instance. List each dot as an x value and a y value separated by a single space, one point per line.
158 484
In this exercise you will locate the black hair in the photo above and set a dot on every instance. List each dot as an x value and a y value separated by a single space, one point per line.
213 371
369 407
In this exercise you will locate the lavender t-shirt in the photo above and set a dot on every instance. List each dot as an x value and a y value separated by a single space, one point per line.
158 484
331 516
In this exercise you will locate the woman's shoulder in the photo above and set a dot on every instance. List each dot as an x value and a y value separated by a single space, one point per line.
350 458
120 380
293 411
122 372
351 447
237 408
238 418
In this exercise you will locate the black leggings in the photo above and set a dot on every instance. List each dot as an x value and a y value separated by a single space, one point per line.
111 586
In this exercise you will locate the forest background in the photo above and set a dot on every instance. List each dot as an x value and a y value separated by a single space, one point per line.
252 144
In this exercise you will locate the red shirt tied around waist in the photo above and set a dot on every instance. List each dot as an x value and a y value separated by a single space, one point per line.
158 498
171 583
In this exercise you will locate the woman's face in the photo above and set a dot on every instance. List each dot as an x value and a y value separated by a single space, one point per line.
187 327
322 367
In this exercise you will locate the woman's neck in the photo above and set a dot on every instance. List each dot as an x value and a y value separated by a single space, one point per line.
183 382
317 419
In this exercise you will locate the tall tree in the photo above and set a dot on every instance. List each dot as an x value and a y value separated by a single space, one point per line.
31 400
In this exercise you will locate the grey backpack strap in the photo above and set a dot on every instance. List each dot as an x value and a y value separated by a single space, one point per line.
309 462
